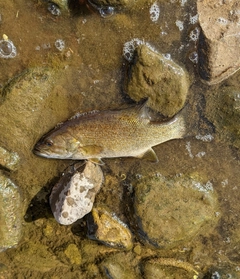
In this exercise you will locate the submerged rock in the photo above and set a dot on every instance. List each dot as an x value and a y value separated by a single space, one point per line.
9 160
10 213
74 194
107 228
219 41
119 266
168 268
158 78
171 210
225 114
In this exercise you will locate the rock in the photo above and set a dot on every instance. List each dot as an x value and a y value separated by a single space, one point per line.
219 41
9 160
118 267
10 213
223 111
73 254
168 268
158 78
107 228
171 210
74 194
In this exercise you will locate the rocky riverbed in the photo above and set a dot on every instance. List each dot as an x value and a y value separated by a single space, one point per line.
177 218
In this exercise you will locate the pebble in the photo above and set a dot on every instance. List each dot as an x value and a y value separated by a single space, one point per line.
158 78
10 213
74 194
107 228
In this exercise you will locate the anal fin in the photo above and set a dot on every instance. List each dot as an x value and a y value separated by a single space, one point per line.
149 155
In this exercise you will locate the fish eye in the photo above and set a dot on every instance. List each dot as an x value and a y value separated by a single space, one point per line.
48 142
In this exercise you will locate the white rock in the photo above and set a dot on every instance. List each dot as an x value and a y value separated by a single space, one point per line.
73 196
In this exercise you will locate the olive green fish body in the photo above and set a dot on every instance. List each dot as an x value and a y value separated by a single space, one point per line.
107 134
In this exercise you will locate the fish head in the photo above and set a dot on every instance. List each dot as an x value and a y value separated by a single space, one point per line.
55 145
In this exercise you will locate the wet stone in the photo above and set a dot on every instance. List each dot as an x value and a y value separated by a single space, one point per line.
74 194
9 160
158 78
171 210
225 114
153 269
219 41
117 267
10 213
107 228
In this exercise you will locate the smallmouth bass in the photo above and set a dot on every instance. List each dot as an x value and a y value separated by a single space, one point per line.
128 132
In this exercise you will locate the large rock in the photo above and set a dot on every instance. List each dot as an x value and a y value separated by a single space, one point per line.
171 210
10 213
158 78
219 41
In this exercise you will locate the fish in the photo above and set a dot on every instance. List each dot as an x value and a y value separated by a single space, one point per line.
127 132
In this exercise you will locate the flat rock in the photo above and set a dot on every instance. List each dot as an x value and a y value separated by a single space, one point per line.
109 229
171 210
74 194
10 213
158 78
219 41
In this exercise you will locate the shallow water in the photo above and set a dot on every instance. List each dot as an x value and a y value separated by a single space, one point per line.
91 70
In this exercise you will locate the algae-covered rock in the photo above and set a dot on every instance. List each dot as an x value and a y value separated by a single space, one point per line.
73 254
9 160
171 210
168 268
119 266
223 111
10 213
159 79
109 229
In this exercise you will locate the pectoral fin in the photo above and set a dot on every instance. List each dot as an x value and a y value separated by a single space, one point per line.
96 161
149 155
89 150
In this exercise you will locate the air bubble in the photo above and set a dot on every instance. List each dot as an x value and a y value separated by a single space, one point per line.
129 48
54 9
193 56
179 24
106 11
154 12
193 19
7 48
222 21
59 44
194 34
